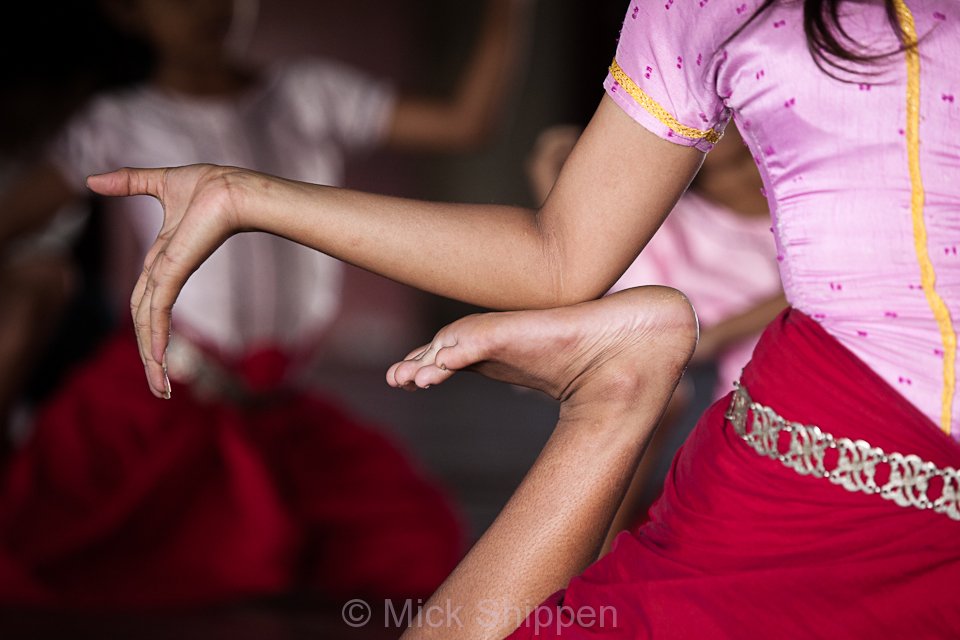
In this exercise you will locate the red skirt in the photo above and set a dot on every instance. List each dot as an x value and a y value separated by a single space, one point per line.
740 546
122 500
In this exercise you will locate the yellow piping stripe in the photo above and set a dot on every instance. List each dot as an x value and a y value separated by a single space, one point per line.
928 277
658 112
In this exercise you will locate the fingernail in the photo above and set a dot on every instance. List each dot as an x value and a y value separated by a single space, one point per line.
166 378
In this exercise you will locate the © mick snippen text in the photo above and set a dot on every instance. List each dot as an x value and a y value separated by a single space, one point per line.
487 614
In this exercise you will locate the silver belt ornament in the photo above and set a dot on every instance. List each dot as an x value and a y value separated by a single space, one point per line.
857 462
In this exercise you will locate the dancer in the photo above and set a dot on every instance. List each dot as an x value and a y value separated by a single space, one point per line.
819 499
247 463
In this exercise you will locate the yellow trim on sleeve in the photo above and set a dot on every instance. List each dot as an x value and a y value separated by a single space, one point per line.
657 111
928 276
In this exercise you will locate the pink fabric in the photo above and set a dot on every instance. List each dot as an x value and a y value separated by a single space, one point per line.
833 157
724 262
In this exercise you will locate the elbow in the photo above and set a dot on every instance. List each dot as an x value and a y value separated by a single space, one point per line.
569 285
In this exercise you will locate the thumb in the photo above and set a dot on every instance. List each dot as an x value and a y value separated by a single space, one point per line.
128 182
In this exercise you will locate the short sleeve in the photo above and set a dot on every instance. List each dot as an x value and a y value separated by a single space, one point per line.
664 73
334 100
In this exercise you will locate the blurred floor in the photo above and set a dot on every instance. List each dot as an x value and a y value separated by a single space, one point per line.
476 437
251 622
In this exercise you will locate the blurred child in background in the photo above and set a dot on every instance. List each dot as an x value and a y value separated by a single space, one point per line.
247 483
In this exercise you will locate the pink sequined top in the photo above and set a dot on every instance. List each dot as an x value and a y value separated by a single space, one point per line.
863 177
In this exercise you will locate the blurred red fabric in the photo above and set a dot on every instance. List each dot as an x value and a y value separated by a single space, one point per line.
120 500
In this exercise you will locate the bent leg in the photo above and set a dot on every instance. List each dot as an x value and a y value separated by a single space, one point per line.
647 484
613 363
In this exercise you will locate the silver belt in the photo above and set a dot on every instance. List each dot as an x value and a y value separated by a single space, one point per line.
857 461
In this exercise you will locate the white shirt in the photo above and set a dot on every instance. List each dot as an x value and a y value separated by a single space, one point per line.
298 123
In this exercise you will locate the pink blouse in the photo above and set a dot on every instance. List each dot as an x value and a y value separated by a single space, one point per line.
862 177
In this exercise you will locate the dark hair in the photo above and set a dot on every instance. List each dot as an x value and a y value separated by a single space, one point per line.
832 48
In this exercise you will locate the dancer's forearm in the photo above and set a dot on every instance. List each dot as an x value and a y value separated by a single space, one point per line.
493 256
612 195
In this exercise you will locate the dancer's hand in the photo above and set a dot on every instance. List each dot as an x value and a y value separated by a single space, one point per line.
200 211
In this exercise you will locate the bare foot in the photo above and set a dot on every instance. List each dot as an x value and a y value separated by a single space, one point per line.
598 350
613 364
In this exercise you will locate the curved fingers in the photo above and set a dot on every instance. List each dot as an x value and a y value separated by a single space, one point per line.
164 285
155 372
194 225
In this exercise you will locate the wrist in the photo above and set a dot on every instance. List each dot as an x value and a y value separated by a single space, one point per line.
243 189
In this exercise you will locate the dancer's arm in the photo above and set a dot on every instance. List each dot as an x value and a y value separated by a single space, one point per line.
463 120
613 193
749 323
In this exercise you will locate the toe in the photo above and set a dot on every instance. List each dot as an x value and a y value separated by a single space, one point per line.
456 357
430 375
392 375
405 372
418 353
415 355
